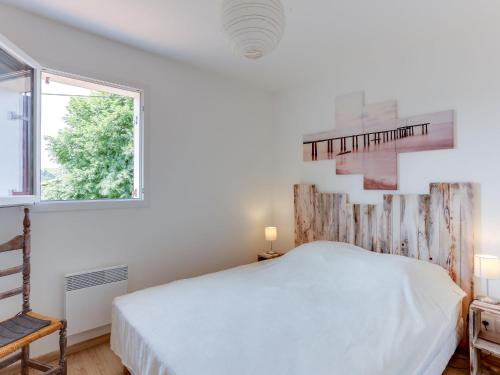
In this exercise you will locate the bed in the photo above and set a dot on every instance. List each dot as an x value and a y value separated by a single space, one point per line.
326 307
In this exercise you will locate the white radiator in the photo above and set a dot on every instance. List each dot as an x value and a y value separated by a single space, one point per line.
88 297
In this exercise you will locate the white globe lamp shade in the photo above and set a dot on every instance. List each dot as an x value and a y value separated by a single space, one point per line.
254 27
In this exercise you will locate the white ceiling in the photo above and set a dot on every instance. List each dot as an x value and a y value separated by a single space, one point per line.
318 32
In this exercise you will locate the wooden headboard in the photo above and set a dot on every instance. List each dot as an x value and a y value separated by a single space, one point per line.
436 227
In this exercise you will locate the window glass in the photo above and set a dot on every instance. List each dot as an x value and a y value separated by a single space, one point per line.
90 140
16 127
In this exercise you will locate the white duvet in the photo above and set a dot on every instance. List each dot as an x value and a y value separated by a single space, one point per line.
325 308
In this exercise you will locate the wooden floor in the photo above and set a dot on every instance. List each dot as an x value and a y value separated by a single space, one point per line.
100 360
95 361
459 365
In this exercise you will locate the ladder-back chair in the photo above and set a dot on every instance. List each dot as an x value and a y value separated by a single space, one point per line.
17 333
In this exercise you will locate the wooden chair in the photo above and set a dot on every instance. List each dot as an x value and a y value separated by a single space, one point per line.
19 332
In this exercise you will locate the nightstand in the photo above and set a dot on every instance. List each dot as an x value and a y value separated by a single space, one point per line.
481 341
269 254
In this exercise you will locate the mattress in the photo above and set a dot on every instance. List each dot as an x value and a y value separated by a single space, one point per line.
329 308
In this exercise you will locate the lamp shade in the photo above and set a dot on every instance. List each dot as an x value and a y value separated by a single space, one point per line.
487 266
271 233
254 27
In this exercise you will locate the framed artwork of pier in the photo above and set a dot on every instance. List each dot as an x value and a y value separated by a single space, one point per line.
368 138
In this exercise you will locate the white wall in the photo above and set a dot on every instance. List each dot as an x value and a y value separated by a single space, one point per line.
456 66
208 144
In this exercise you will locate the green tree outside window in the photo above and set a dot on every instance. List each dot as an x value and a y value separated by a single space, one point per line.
95 150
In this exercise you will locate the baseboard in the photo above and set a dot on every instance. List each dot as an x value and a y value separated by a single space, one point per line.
54 356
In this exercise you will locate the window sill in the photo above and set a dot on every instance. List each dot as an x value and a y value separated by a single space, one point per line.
102 204
20 200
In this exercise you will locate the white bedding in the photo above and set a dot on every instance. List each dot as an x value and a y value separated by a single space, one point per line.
325 308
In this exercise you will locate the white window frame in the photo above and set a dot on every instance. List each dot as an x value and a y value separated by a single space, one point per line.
12 49
35 199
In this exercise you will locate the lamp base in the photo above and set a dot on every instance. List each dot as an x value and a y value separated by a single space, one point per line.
490 300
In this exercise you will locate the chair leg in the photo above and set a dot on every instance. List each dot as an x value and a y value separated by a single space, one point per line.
62 347
25 356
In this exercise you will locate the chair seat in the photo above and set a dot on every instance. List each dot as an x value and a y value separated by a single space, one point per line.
23 329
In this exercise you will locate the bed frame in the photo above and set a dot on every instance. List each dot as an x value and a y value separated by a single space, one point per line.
437 227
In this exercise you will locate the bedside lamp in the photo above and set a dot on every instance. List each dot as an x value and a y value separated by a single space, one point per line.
271 233
487 267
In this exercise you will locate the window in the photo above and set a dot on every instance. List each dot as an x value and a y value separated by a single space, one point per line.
16 127
64 138
90 140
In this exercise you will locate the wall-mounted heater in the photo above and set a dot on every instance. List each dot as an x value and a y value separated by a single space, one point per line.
89 295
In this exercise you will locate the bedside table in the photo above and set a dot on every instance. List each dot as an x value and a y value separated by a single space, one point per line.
265 255
479 341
